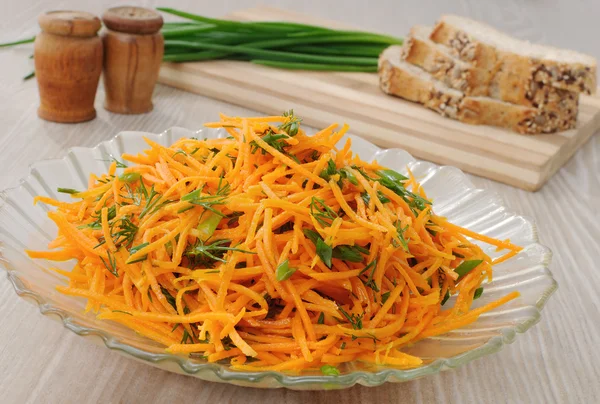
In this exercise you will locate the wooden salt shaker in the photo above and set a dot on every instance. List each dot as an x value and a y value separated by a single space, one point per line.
68 63
133 48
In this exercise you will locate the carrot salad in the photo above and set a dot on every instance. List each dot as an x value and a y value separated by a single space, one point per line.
269 250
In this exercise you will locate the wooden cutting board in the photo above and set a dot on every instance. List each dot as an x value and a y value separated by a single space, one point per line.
321 98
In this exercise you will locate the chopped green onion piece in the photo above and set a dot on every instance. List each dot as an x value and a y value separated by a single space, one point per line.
130 177
208 226
324 252
392 175
330 370
446 297
67 191
384 297
284 272
135 249
465 267
321 319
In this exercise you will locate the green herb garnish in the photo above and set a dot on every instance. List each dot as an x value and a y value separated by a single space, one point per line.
324 252
367 198
321 319
400 240
329 171
118 163
169 297
465 267
446 297
110 264
207 201
202 253
121 311
330 370
130 177
275 140
370 282
284 272
292 124
209 225
347 174
343 252
67 191
352 253
322 213
135 249
385 296
355 320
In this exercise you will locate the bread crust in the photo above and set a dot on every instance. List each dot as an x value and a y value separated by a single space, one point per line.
512 67
396 79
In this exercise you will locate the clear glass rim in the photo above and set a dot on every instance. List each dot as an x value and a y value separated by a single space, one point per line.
191 367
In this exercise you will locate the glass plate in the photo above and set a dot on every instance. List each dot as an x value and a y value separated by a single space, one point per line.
23 225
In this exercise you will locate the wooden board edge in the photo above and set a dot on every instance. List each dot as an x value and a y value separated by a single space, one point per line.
569 148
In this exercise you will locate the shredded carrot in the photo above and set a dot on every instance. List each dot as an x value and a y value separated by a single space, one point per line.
269 244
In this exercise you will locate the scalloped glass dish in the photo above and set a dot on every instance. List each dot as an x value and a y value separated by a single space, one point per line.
23 225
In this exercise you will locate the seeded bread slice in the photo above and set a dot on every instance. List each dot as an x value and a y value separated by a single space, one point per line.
438 60
402 79
492 50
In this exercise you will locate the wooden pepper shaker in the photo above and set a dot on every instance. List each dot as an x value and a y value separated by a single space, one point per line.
68 64
133 48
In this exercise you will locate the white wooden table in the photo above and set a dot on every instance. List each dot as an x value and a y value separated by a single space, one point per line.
556 361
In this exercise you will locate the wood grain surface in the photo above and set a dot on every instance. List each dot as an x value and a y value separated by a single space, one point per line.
557 361
523 161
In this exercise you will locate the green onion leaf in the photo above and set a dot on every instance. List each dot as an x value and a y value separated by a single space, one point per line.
367 198
130 177
312 235
467 266
349 176
135 249
321 319
384 297
350 253
324 252
67 191
330 370
478 293
392 175
284 272
208 226
329 171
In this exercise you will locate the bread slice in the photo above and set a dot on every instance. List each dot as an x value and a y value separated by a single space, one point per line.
402 79
492 50
438 60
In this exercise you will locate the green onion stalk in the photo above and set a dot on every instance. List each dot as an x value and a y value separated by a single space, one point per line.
284 45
